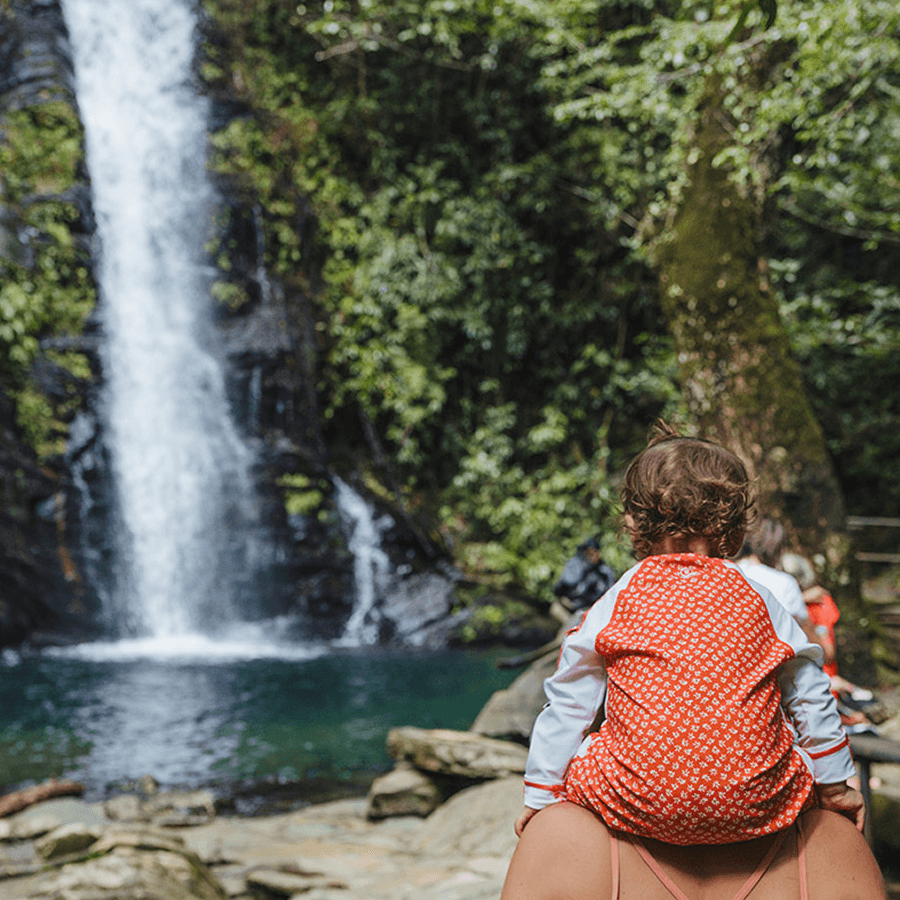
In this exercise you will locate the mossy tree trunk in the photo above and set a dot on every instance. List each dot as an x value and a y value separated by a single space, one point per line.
741 383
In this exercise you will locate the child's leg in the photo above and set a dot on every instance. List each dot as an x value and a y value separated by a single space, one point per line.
563 854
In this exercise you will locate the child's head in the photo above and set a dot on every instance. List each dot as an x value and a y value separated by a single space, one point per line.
686 487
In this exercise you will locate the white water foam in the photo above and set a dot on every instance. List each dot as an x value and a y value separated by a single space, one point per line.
371 566
259 640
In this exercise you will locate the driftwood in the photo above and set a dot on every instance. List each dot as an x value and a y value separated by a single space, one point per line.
19 800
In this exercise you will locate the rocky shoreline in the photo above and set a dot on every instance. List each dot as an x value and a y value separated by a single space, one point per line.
178 846
66 849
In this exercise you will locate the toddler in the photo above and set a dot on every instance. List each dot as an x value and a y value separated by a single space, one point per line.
717 722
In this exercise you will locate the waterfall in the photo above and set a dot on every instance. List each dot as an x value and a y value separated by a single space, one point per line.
182 473
371 565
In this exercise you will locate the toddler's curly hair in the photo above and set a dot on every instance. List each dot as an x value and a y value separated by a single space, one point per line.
684 486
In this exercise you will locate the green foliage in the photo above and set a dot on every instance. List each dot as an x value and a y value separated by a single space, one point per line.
486 620
474 298
840 96
39 423
846 335
230 295
302 495
40 150
45 286
814 107
518 506
489 180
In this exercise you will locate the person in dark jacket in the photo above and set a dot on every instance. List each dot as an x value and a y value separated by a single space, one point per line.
585 577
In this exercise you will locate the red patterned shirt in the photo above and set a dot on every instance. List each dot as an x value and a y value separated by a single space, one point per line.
718 717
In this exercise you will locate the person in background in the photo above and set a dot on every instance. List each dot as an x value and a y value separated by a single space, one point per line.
820 606
757 558
854 702
585 578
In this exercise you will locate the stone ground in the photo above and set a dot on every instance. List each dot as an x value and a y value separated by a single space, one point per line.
329 851
332 851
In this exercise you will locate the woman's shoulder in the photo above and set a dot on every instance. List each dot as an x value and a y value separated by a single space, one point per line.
839 863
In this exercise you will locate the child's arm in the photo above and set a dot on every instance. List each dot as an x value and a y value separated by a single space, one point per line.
808 702
525 817
575 692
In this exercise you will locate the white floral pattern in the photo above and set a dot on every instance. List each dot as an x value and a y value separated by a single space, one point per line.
695 747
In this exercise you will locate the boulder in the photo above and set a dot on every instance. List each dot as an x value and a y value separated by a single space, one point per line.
177 808
132 873
140 838
460 753
27 829
66 840
404 791
418 609
278 883
477 821
88 863
510 713
170 808
125 808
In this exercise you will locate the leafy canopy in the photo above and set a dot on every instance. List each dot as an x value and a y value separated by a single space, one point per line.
489 180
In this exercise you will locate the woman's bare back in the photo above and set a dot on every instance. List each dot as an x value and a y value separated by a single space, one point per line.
565 853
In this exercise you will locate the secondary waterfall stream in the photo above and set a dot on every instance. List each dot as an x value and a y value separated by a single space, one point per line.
370 569
182 473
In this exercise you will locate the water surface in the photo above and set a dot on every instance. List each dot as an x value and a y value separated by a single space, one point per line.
105 719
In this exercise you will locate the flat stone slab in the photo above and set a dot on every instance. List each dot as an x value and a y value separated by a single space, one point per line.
405 791
456 752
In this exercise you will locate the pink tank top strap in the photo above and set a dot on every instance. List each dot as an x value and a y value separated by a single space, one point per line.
749 884
656 869
614 857
801 859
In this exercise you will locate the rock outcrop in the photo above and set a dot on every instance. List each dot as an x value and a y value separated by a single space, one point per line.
40 586
509 714
327 852
459 753
434 765
92 861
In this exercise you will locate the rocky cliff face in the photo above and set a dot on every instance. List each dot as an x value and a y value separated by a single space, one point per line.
40 586
57 515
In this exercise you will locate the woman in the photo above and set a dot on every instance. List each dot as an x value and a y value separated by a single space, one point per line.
568 853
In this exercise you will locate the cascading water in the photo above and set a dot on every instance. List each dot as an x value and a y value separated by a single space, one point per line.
371 565
184 492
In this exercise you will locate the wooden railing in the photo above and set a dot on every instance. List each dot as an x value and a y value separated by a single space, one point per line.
857 522
868 749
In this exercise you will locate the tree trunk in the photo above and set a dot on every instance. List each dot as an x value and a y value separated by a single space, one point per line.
742 386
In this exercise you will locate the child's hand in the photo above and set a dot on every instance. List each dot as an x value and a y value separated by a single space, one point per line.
524 818
843 799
